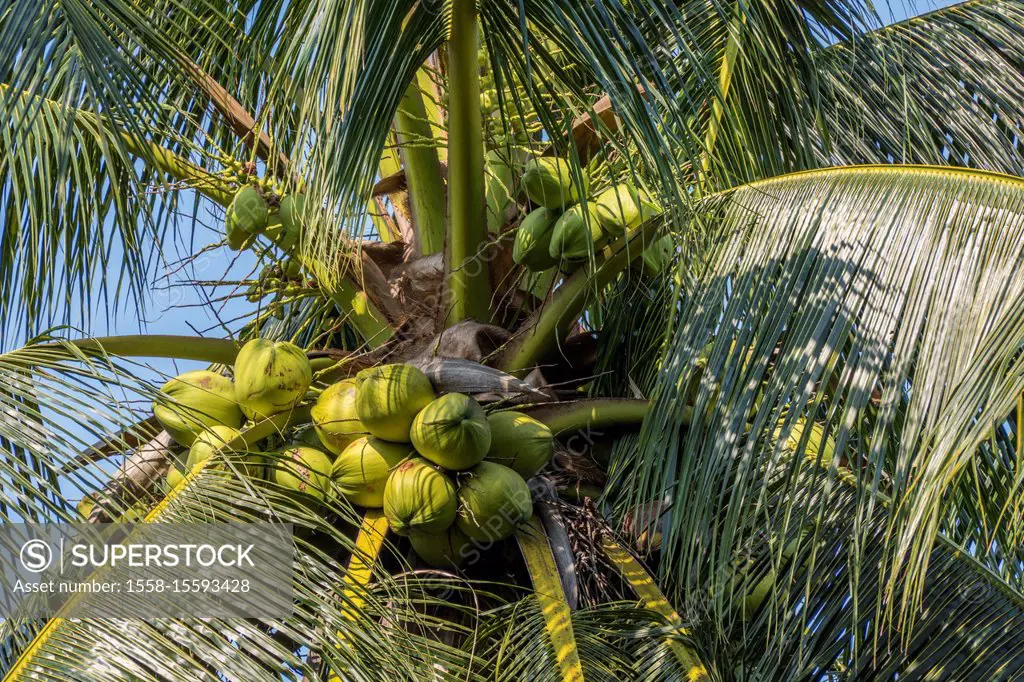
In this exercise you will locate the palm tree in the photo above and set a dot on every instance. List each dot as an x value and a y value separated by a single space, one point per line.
791 453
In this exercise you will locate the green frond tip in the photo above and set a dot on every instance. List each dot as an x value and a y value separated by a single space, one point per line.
547 585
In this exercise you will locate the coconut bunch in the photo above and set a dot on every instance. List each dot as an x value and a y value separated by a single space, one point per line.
204 411
446 474
256 209
561 230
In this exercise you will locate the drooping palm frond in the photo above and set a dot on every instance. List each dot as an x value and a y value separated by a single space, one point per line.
943 88
884 305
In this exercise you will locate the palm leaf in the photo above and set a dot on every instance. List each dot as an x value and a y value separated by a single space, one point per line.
823 289
943 88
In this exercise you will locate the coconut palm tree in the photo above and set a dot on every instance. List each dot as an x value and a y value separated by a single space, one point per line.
786 399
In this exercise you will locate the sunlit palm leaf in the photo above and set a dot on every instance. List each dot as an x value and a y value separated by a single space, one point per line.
824 289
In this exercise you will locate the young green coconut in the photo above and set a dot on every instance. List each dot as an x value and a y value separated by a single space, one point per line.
493 502
270 377
174 478
419 499
619 209
361 470
247 217
574 237
388 399
533 240
335 417
193 401
450 549
519 442
549 183
305 471
289 232
452 432
216 438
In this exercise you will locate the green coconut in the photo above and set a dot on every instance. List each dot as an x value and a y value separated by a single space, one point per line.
658 256
572 238
419 499
335 418
174 478
619 209
193 401
450 549
493 501
388 399
86 505
247 216
519 442
362 469
304 470
452 432
533 240
216 438
290 213
270 377
549 183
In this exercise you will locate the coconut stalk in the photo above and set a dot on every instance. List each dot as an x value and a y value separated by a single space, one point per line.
593 413
541 335
415 129
467 273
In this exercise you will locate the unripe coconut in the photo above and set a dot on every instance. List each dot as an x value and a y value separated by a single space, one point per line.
193 401
246 216
658 256
174 478
335 418
270 377
493 502
618 209
362 469
304 470
452 432
86 505
216 438
519 442
533 240
445 550
419 498
290 212
549 183
388 399
572 237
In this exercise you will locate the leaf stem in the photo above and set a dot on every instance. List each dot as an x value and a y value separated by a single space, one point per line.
416 128
542 333
467 273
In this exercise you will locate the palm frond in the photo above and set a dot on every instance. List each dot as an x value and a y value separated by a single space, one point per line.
882 304
943 88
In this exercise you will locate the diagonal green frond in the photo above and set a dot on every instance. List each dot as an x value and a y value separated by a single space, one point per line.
943 88
885 304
